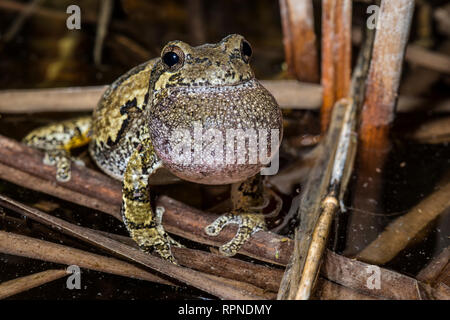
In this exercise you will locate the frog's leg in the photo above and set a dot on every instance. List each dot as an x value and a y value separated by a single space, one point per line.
56 140
143 226
247 198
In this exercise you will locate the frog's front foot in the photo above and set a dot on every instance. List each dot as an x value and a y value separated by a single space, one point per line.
59 158
154 240
249 223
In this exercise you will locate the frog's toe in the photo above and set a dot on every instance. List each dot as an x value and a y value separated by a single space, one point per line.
60 159
174 242
153 239
63 173
159 215
214 228
249 224
232 247
49 158
162 248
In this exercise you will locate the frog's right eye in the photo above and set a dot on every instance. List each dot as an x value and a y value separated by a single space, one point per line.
173 57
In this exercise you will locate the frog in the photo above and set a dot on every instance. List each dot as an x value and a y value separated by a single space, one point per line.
129 136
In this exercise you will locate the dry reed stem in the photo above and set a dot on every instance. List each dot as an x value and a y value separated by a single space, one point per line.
336 54
299 39
15 286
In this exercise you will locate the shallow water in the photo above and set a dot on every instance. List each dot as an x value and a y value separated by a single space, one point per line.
412 172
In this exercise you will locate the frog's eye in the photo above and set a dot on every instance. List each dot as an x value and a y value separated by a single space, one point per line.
246 51
173 57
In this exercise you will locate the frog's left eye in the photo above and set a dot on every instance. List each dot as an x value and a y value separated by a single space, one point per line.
173 57
246 51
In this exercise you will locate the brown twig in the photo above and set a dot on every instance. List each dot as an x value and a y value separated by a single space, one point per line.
259 276
231 268
299 39
84 181
106 8
290 94
190 277
357 275
435 268
437 275
428 59
317 248
50 100
20 20
178 219
33 248
234 269
386 64
190 223
434 131
332 291
32 182
336 54
12 287
441 291
327 63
